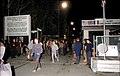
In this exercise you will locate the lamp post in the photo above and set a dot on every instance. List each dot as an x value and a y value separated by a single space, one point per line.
38 31
58 20
72 28
62 5
104 21
34 31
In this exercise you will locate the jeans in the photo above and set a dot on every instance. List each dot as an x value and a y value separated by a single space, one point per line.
77 59
89 57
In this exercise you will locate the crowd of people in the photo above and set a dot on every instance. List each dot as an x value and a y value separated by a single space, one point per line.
53 48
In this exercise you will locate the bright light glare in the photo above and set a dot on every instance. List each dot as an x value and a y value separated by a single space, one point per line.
64 5
72 23
73 28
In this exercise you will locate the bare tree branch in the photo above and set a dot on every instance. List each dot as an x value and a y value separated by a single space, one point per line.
23 6
44 22
9 4
17 8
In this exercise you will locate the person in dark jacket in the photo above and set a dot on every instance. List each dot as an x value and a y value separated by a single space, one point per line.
89 48
13 49
37 50
77 49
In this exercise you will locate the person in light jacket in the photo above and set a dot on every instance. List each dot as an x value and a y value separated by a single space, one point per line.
54 51
2 52
37 51
30 47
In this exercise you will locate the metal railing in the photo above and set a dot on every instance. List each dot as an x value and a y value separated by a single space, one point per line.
111 46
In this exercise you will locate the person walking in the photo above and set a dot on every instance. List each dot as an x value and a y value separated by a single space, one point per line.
61 44
73 54
13 49
30 47
89 48
49 44
54 51
37 51
77 49
84 50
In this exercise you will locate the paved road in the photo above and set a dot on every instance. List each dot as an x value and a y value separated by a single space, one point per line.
64 67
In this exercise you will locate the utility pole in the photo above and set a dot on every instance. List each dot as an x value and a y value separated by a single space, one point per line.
58 18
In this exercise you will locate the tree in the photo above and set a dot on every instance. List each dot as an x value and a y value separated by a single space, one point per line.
43 13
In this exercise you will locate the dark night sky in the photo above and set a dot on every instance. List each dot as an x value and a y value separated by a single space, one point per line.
85 10
91 9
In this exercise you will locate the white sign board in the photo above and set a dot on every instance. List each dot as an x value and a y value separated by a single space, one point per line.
107 21
17 25
88 22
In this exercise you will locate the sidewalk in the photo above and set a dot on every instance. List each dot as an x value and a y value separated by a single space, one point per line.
18 61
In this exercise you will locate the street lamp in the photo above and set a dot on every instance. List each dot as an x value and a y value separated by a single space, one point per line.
62 5
103 5
74 29
34 31
104 21
71 23
71 30
38 31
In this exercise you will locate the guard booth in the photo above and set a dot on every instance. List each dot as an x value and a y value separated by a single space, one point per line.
107 54
95 27
107 57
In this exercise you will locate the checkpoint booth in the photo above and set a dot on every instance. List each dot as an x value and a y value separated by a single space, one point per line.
96 25
107 55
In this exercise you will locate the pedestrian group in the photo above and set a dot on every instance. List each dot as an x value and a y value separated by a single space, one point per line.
35 49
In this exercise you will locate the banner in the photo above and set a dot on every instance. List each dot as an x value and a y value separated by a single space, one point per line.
107 21
88 22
